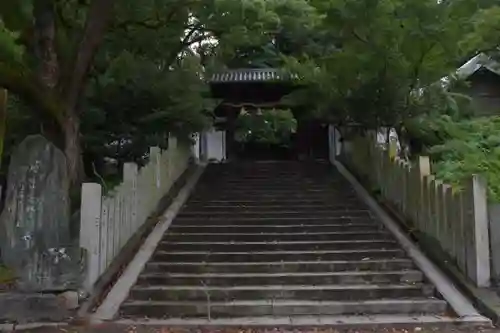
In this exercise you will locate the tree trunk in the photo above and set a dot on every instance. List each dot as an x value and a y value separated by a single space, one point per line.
65 135
45 43
3 119
98 17
73 149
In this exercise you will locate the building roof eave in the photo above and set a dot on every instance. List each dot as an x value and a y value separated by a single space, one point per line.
252 75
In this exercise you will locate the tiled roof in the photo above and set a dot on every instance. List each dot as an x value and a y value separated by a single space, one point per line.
251 75
479 61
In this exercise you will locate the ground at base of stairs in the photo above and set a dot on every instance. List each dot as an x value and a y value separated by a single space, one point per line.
113 328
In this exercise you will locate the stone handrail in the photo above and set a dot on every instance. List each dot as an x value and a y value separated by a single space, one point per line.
108 221
453 220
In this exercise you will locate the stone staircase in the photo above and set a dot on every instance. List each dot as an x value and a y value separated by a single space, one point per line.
279 240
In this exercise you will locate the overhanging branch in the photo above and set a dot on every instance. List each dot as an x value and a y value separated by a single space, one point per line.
98 18
23 83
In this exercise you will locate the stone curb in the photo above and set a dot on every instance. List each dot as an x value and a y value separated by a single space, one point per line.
28 326
119 292
128 252
486 300
6 327
445 285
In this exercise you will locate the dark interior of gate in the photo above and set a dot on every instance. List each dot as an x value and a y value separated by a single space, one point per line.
254 93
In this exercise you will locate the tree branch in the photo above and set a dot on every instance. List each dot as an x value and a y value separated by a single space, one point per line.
98 18
188 41
358 37
158 23
153 25
194 28
24 83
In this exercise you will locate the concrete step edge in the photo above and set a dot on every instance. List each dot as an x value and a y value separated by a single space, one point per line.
211 253
277 226
264 203
305 233
337 322
367 287
276 303
291 274
275 218
326 205
248 212
281 263
371 241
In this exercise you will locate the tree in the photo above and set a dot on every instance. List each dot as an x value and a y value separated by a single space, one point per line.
485 35
134 105
371 58
38 63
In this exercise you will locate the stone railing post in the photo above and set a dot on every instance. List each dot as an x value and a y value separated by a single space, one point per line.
90 223
130 174
172 154
154 159
480 270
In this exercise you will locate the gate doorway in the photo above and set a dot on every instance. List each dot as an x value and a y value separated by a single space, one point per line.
259 90
264 135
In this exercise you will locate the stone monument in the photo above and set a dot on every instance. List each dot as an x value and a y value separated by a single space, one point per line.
35 234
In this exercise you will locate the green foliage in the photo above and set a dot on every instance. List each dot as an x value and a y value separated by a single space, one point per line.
374 55
147 78
485 35
7 278
473 149
268 126
363 61
10 50
435 108
135 103
16 14
459 149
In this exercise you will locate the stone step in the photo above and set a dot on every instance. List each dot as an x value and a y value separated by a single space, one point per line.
254 172
341 323
256 191
208 207
279 237
275 185
282 229
297 188
280 184
275 220
200 267
375 244
278 240
272 256
206 309
282 199
259 202
269 192
282 214
308 278
270 174
330 195
280 292
276 179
